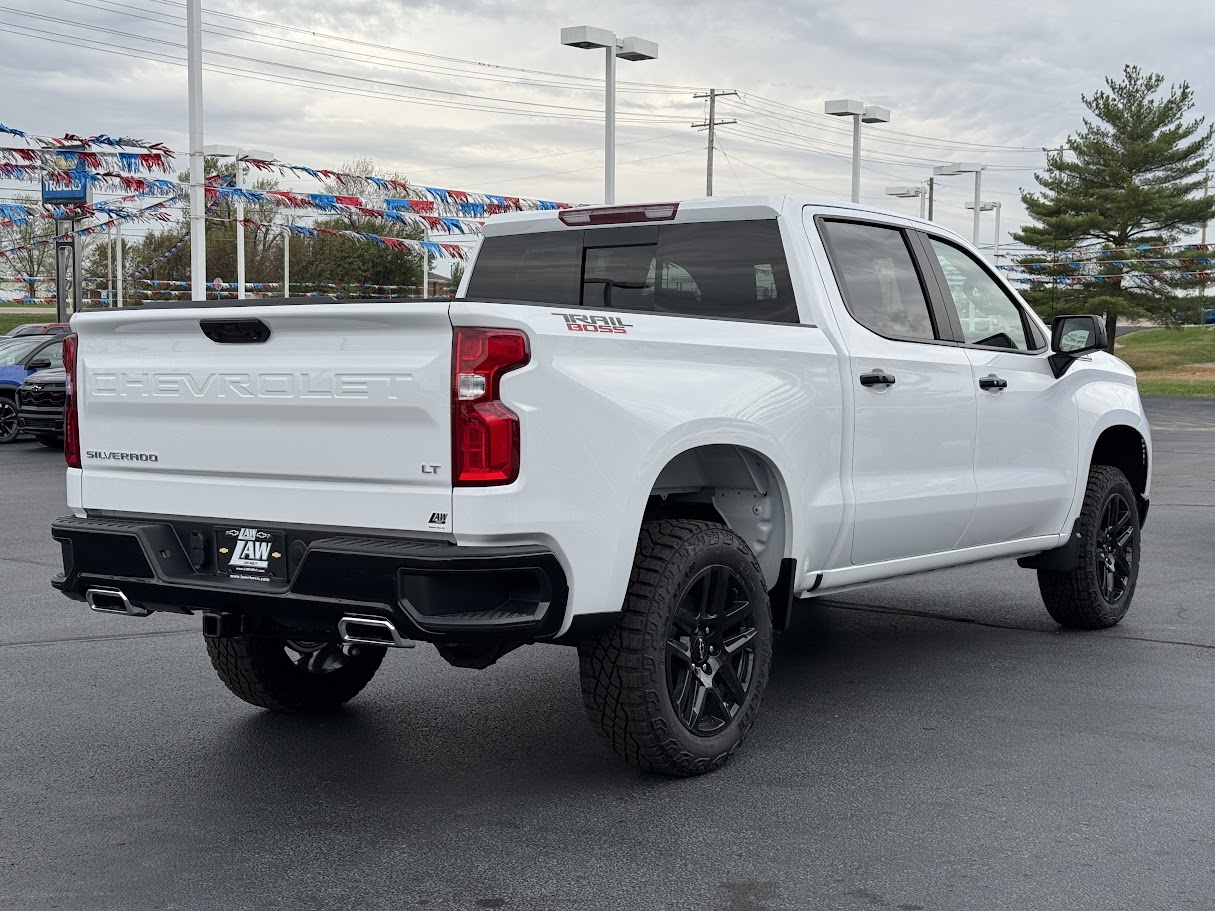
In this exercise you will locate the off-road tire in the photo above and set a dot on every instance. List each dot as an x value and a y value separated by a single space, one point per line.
260 672
1075 598
49 440
624 669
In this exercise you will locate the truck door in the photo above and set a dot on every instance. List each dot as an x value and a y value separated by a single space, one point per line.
915 399
1027 450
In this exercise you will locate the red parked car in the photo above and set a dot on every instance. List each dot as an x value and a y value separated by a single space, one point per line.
38 329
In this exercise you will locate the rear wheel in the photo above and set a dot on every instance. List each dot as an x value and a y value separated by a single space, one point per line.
1097 593
8 420
675 686
293 676
49 440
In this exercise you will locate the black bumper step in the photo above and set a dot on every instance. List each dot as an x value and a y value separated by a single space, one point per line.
430 590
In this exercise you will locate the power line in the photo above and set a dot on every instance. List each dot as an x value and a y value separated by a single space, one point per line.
152 56
238 34
674 89
327 73
821 120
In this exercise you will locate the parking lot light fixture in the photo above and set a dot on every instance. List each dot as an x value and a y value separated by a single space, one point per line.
966 167
990 206
860 113
587 37
910 193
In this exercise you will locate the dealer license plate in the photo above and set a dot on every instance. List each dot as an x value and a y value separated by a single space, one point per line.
251 553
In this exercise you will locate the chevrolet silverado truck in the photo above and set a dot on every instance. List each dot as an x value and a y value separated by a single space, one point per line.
642 431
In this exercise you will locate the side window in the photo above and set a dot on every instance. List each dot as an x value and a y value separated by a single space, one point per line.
726 269
879 280
53 353
544 267
989 317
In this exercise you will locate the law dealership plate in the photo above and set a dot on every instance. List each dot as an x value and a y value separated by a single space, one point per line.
251 553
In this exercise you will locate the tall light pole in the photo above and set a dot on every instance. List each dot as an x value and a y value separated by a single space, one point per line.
910 193
198 226
588 37
860 113
989 207
966 167
239 155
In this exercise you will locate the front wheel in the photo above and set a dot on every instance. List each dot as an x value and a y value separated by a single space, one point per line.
675 685
293 676
8 420
1097 593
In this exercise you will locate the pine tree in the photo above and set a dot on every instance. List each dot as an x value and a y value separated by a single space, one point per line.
1134 178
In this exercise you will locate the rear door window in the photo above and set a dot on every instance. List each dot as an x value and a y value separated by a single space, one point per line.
879 281
729 270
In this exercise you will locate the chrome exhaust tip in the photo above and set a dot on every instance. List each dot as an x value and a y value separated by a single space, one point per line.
112 601
371 631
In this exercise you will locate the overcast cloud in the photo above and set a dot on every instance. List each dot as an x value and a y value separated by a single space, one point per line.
965 75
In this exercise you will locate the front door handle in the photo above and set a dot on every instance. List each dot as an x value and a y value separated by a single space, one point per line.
877 378
991 381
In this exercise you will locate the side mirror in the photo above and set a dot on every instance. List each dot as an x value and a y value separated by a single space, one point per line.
41 363
1073 336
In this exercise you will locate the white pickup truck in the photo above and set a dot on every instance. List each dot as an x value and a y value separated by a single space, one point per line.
644 431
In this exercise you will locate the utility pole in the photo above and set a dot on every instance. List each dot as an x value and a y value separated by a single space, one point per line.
931 186
712 123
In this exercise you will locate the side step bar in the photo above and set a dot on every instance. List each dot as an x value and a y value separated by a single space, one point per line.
113 601
360 630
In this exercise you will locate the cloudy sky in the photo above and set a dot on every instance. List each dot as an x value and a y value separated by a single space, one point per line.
480 95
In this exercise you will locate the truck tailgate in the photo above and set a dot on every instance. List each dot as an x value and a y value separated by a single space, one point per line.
340 418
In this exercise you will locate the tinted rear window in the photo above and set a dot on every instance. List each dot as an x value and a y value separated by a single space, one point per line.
732 269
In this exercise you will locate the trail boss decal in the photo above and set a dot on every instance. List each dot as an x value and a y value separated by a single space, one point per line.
604 325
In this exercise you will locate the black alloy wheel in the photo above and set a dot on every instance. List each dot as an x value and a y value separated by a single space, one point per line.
8 420
318 657
1115 535
1097 591
675 684
711 651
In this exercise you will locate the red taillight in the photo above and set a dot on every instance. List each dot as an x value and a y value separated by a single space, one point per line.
484 432
71 417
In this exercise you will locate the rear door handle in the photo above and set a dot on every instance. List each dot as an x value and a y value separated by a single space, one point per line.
877 378
991 381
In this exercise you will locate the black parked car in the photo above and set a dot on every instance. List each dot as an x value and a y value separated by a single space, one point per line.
40 406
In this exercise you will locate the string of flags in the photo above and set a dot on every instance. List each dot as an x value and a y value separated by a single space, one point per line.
401 244
484 203
59 163
15 213
399 211
153 212
87 142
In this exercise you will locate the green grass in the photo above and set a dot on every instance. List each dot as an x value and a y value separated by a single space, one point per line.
1160 349
11 320
1195 389
1172 361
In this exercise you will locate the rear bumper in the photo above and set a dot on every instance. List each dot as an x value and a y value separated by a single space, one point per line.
431 591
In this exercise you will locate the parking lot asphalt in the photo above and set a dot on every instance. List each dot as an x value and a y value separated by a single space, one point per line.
931 743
